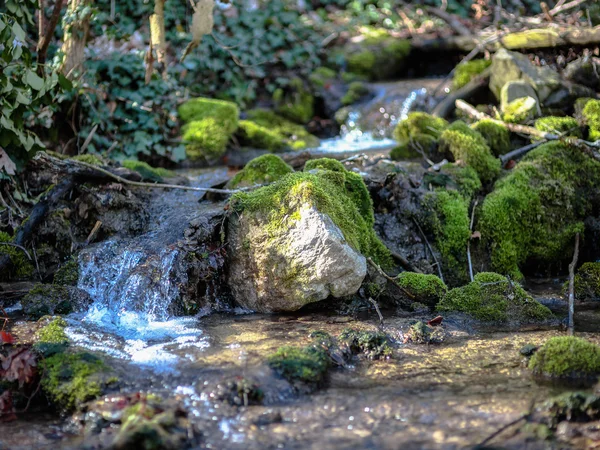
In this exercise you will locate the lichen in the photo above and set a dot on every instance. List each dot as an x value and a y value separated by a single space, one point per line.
210 125
356 91
22 266
496 135
148 172
559 125
465 72
427 289
568 358
47 299
372 344
535 211
67 274
587 282
295 102
493 297
470 147
306 364
342 196
591 115
294 135
520 110
264 169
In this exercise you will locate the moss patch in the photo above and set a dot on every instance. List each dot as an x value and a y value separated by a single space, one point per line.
497 136
426 289
463 73
22 267
372 344
566 357
264 169
324 163
469 146
295 102
47 299
89 159
321 76
520 110
417 135
67 274
356 91
591 115
559 125
52 339
587 282
294 136
306 364
251 134
148 172
492 297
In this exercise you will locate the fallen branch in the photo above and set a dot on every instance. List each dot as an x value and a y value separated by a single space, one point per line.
572 266
520 151
530 131
405 263
560 8
374 303
392 279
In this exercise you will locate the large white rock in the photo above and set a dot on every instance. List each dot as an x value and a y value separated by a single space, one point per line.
291 266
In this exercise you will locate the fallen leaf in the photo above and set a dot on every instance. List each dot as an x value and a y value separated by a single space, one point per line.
19 365
476 235
6 163
435 321
510 164
6 338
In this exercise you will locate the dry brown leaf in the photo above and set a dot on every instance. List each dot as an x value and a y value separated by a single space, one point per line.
6 163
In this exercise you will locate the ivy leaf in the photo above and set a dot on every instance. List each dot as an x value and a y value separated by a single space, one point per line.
18 32
33 80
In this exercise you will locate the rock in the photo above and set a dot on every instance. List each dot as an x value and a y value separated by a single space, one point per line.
512 66
50 299
585 71
264 169
426 289
514 90
421 333
521 110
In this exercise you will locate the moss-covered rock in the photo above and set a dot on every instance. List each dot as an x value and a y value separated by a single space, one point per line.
377 56
567 358
493 297
591 115
67 274
321 76
470 147
416 147
573 407
148 172
22 266
559 125
496 135
356 91
324 164
421 333
462 178
292 135
587 282
417 135
463 73
534 213
520 110
372 344
305 364
579 106
52 339
251 134
264 169
50 299
427 289
88 158
295 102
209 125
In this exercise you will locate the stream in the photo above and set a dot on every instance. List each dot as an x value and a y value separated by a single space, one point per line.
450 396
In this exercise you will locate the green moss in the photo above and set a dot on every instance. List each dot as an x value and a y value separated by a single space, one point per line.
210 125
67 274
536 210
295 103
466 179
89 159
450 224
47 299
496 135
559 125
69 378
492 297
470 147
427 289
573 407
463 73
307 364
419 123
22 266
362 63
148 172
342 196
378 56
356 91
294 135
579 106
520 110
251 134
52 339
421 333
321 76
325 164
264 169
372 344
587 282
591 115
417 146
566 357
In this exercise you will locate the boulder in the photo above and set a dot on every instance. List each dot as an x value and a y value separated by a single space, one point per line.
584 71
512 66
514 90
50 299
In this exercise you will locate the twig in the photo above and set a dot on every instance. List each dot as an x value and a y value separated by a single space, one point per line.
387 277
469 241
88 139
437 263
92 234
560 8
503 428
520 151
451 20
37 266
409 23
404 262
572 286
19 247
374 303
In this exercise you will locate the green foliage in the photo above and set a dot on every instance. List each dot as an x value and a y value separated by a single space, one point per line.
496 135
535 211
566 357
426 289
147 172
342 196
89 159
492 297
321 76
22 267
306 364
591 115
463 73
372 344
559 125
264 169
469 146
294 135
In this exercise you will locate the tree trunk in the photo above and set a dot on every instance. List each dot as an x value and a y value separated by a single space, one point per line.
79 14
